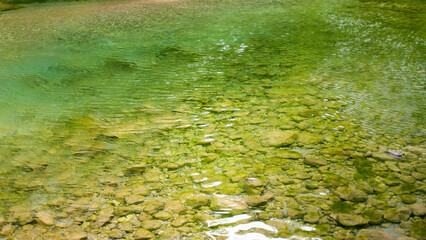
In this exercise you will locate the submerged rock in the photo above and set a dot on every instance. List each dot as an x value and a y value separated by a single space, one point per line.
397 215
227 203
279 138
197 201
21 214
395 153
373 234
315 161
350 220
418 229
143 234
45 218
351 193
7 230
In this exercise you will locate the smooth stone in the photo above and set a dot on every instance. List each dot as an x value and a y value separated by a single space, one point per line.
2 221
351 193
134 199
141 190
126 226
408 198
7 230
179 222
418 229
350 220
295 213
44 218
139 168
123 211
254 200
418 209
373 234
163 215
196 201
312 217
20 214
373 216
314 161
143 234
151 224
228 203
104 216
309 138
397 215
78 236
116 233
174 206
279 138
152 205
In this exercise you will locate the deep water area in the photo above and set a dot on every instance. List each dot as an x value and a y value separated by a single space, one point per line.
212 119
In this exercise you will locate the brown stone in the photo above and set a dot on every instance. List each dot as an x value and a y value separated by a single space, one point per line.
143 234
373 234
44 218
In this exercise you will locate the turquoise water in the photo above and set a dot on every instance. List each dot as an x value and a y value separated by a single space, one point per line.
194 88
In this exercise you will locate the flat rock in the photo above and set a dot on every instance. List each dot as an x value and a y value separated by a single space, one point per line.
143 234
44 218
350 220
163 215
151 224
351 193
279 138
197 201
2 221
104 216
228 203
138 168
20 214
418 209
373 234
174 206
254 200
315 161
134 199
397 215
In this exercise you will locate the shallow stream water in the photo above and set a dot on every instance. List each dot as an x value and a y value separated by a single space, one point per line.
212 119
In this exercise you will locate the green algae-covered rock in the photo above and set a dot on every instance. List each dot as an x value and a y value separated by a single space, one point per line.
143 234
418 229
309 138
418 209
236 205
406 188
373 234
279 138
254 200
152 224
351 220
397 215
295 213
373 216
333 180
197 201
315 161
289 154
408 198
351 193
312 217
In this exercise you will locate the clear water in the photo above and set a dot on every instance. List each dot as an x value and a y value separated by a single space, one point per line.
91 88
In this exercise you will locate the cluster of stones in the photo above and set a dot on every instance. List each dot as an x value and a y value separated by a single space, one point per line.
167 174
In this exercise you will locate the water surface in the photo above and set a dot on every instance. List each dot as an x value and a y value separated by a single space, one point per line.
188 99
